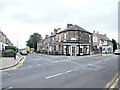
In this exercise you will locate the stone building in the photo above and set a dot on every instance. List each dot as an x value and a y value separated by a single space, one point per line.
101 40
4 41
73 41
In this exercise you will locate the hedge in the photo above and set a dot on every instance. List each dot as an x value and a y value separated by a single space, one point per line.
11 47
8 53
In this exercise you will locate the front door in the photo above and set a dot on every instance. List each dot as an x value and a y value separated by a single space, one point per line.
73 51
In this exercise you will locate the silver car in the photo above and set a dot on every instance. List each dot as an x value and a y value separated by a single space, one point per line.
117 52
23 52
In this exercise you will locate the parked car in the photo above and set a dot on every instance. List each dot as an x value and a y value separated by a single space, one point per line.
23 52
117 52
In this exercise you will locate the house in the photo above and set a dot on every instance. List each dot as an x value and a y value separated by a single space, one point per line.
72 41
101 40
4 41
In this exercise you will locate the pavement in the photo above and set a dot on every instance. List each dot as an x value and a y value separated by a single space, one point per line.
6 63
48 71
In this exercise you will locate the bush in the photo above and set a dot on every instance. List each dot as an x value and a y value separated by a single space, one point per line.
8 53
11 47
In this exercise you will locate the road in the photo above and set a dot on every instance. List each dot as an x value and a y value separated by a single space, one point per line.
46 71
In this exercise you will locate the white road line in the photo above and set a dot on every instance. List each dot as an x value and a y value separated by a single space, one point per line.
29 66
48 59
107 59
54 75
97 57
70 71
75 63
54 61
60 61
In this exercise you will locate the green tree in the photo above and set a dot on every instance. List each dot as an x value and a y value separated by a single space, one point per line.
33 40
114 44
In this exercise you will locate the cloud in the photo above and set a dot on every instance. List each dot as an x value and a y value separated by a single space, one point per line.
23 17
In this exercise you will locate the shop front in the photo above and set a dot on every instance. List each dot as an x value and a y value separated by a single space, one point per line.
75 49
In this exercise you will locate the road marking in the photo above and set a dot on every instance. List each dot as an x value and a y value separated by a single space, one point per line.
97 57
54 75
107 59
63 60
70 71
29 66
48 59
60 61
109 85
76 63
7 88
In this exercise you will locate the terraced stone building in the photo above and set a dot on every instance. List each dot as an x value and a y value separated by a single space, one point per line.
72 41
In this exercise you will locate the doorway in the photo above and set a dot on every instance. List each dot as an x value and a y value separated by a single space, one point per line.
73 51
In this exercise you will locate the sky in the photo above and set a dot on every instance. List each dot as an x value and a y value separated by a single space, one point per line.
21 18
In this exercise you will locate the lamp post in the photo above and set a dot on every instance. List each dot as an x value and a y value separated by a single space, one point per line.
100 48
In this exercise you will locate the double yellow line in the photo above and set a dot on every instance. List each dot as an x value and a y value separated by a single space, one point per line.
113 83
19 64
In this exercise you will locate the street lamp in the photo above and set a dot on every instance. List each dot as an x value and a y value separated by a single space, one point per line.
100 47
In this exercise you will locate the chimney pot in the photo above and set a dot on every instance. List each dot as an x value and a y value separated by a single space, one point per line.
69 25
97 32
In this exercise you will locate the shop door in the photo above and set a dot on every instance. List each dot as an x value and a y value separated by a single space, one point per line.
73 51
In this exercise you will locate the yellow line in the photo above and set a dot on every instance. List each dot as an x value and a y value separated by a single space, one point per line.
20 64
111 85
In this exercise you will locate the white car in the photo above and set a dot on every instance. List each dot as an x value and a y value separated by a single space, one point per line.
23 52
117 52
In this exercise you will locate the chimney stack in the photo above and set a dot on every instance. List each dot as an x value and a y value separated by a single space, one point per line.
97 32
55 31
46 36
69 25
51 33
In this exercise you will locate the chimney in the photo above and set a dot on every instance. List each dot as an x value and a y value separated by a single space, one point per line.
51 33
94 31
46 36
55 31
97 32
105 34
69 25
59 29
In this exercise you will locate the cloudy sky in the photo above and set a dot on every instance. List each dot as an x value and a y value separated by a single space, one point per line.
20 18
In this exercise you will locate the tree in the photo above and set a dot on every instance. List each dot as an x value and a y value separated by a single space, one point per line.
114 44
33 40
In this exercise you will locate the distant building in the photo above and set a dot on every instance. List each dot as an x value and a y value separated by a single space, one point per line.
101 40
4 41
73 41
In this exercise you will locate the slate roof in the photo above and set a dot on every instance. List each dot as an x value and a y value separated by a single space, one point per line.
72 28
76 28
102 37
